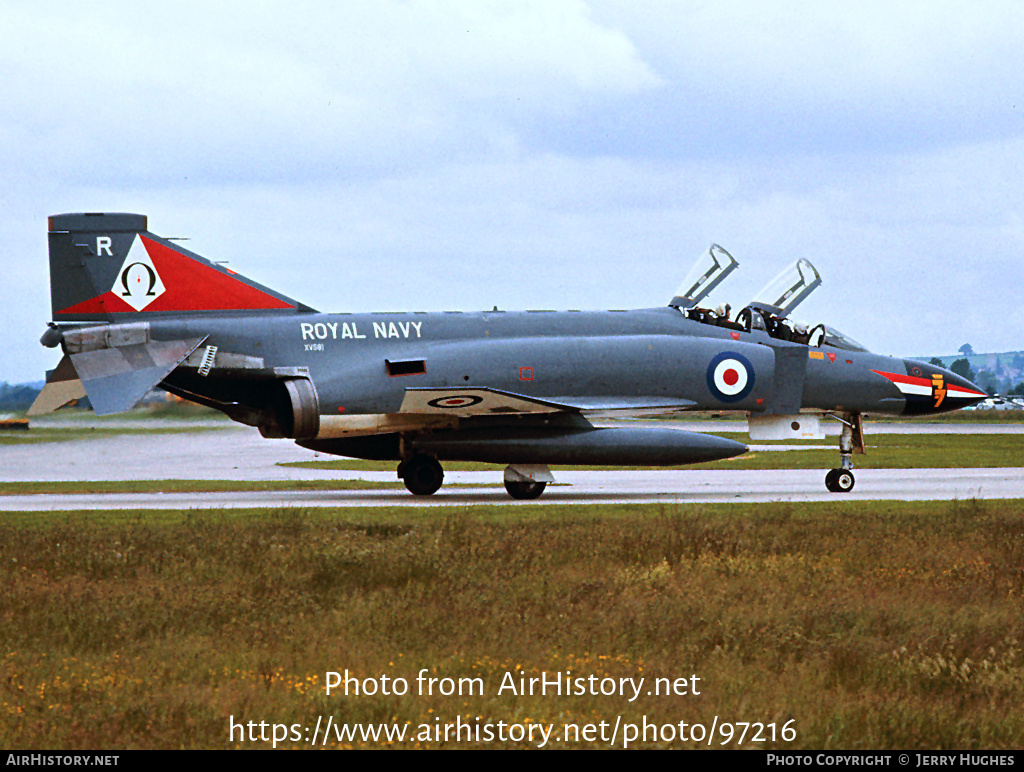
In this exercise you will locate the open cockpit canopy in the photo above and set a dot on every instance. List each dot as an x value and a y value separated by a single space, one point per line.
768 313
789 289
708 272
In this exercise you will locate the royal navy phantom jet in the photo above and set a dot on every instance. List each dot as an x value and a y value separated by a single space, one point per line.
133 311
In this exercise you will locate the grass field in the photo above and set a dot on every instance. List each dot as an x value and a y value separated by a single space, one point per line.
849 625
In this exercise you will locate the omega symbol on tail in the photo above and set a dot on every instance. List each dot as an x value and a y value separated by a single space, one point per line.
138 282
133 281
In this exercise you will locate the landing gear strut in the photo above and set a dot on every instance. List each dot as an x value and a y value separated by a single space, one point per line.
422 474
851 440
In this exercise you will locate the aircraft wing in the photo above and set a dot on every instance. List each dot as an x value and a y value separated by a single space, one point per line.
477 401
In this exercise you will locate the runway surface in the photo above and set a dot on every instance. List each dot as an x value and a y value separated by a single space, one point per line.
645 487
231 452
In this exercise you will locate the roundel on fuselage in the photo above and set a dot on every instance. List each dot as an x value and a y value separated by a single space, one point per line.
730 377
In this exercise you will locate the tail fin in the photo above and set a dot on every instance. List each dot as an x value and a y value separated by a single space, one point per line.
107 267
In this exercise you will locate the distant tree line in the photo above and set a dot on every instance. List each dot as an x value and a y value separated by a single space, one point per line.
17 396
998 374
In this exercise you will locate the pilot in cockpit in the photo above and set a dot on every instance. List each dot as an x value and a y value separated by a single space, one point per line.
723 318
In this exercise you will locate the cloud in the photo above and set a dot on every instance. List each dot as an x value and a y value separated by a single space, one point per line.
287 91
744 78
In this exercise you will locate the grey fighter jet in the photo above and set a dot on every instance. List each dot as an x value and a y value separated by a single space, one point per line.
132 311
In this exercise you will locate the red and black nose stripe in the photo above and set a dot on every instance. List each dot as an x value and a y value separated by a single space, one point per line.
928 389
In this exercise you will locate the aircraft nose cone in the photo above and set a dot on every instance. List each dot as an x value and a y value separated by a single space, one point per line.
937 390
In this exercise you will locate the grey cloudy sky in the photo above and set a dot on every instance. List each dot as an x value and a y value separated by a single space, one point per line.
380 155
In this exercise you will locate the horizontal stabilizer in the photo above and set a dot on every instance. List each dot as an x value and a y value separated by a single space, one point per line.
63 387
474 401
115 379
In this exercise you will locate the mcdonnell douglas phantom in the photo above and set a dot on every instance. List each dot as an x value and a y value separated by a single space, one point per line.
133 311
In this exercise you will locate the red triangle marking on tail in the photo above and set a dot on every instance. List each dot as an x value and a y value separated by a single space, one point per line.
107 303
194 286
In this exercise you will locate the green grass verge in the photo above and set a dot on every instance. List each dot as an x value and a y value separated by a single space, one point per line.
859 625
53 434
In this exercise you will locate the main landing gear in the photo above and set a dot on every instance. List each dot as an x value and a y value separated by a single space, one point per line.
423 476
524 491
851 440
527 481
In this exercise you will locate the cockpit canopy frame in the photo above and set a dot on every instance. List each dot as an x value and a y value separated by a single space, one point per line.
788 290
708 272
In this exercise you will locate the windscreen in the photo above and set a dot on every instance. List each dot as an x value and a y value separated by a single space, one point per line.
836 339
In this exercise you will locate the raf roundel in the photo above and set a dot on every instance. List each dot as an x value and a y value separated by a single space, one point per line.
730 377
456 401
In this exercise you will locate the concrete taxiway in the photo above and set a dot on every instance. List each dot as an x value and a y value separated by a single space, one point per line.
231 452
620 487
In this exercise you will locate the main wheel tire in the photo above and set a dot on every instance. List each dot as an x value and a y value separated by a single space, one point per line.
840 481
422 475
524 490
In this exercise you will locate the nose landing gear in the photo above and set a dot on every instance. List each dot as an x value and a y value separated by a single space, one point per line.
851 440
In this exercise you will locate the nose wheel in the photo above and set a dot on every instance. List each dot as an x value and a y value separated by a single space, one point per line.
851 440
840 480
